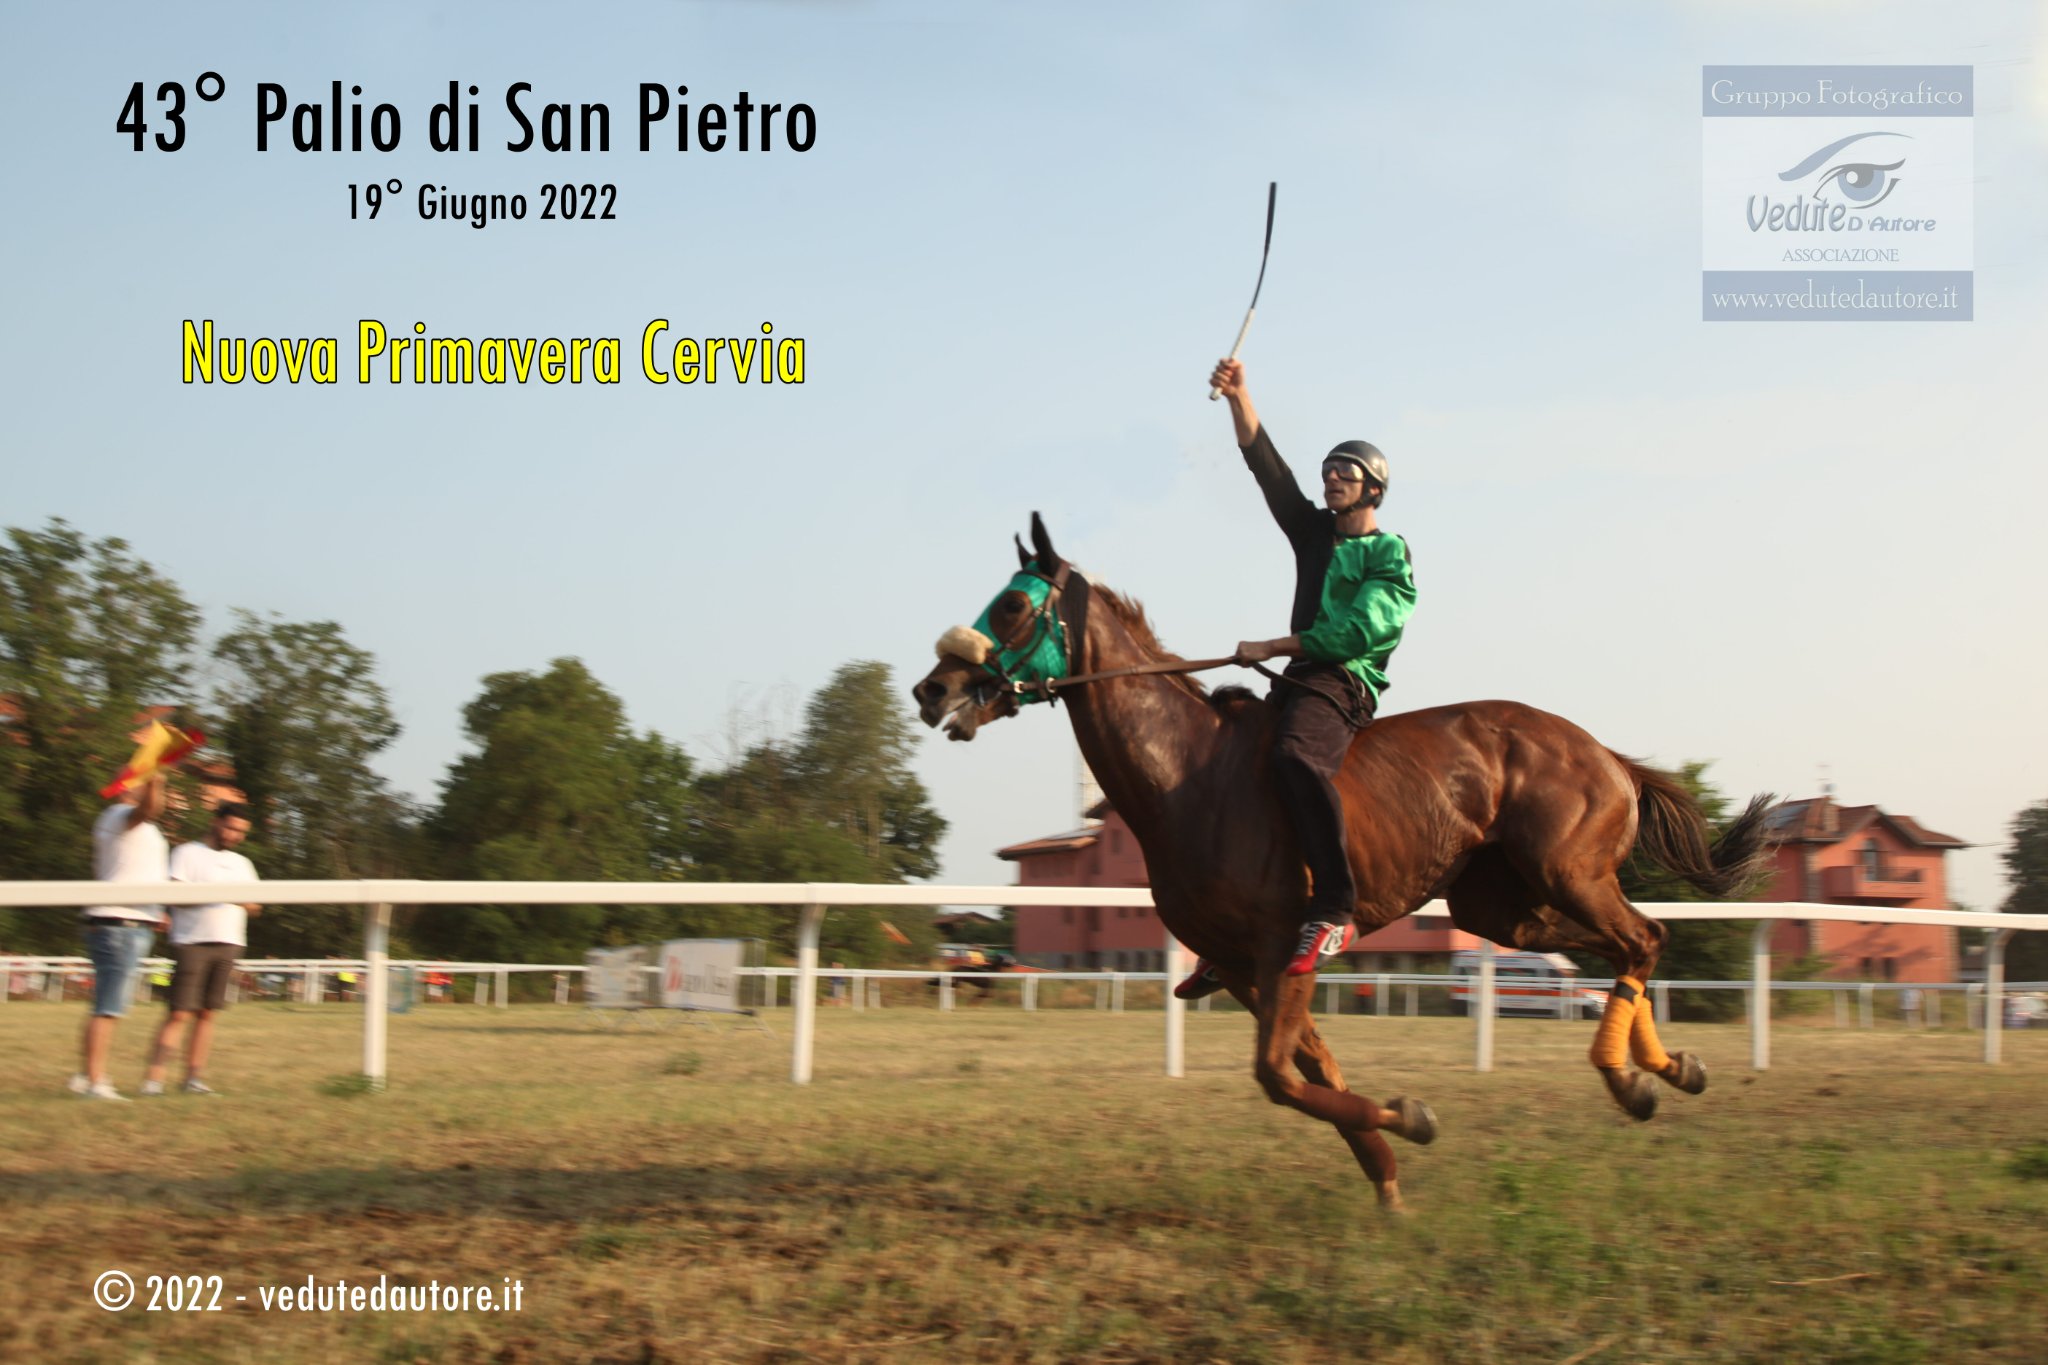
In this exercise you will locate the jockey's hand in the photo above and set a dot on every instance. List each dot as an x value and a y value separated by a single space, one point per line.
1228 378
1256 651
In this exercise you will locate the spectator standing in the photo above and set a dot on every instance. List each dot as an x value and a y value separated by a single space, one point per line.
205 941
128 847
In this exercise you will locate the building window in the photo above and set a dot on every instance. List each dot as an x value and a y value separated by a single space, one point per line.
1891 969
1873 869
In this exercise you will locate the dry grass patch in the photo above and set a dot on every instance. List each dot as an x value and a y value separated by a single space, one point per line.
989 1185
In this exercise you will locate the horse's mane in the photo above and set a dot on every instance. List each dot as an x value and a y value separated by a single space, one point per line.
1130 612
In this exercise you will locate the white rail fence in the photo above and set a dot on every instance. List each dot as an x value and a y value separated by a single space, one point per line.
307 981
814 898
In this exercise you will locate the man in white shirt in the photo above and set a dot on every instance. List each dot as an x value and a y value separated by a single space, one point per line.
127 847
205 941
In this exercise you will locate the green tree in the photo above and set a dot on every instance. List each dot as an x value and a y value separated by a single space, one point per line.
838 803
2026 864
853 763
302 714
90 634
558 789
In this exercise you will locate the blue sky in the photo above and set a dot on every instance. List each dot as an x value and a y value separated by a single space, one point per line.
1023 235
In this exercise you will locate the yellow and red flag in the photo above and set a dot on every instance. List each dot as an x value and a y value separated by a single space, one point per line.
896 934
157 746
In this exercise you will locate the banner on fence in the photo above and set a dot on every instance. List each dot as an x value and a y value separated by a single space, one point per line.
701 974
615 978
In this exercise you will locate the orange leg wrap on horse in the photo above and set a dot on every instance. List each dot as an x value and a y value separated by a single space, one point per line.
1610 1044
1642 1039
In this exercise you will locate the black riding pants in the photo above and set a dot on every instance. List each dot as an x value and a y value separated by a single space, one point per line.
1322 706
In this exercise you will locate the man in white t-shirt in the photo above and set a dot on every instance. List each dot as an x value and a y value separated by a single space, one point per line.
127 847
205 941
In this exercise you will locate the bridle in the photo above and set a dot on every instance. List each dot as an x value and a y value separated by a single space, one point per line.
1052 616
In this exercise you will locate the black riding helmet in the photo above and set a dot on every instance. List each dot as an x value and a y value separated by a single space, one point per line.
1367 457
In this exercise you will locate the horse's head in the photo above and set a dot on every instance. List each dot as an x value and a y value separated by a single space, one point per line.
1020 638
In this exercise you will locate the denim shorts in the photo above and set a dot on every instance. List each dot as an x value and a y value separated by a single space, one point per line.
116 948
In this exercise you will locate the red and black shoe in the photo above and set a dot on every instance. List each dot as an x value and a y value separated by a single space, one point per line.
1202 981
1320 939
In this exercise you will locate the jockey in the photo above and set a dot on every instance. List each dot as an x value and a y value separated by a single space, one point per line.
1354 589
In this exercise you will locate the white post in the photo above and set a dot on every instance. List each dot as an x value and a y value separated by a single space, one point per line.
1102 992
1116 993
1484 1007
876 998
1760 996
768 990
312 986
1031 993
376 991
857 991
1414 1000
478 998
561 988
504 992
945 990
806 995
1330 998
1380 993
1663 992
1866 997
1176 1012
1994 992
1841 1008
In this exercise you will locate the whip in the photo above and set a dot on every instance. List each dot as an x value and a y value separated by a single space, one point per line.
1272 193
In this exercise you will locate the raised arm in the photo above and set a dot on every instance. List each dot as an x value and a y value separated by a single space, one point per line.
150 806
1284 498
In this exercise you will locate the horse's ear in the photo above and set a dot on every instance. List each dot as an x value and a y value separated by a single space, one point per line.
1048 558
1023 555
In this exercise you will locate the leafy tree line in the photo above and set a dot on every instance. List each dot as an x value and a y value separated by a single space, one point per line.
556 784
2026 862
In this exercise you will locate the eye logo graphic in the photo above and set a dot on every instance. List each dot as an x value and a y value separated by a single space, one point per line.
1865 184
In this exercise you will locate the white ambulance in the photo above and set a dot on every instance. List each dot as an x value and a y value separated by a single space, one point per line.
1526 983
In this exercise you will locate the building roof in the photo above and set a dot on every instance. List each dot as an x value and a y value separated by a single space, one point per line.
1817 820
1085 837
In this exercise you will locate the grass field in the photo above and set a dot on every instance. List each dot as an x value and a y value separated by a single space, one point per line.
990 1185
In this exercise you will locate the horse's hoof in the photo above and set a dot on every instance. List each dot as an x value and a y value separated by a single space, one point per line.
1390 1201
1692 1072
1637 1096
1418 1120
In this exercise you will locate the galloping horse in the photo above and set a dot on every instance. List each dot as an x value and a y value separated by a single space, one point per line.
1517 818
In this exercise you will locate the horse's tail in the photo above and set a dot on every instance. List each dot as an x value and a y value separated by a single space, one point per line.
1671 832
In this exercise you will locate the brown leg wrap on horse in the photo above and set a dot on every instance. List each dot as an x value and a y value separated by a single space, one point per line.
1610 1043
1642 1039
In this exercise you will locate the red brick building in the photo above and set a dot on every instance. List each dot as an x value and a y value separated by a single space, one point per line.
1086 937
1861 855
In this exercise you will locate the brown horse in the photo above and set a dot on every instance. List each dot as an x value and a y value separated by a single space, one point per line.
1517 818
